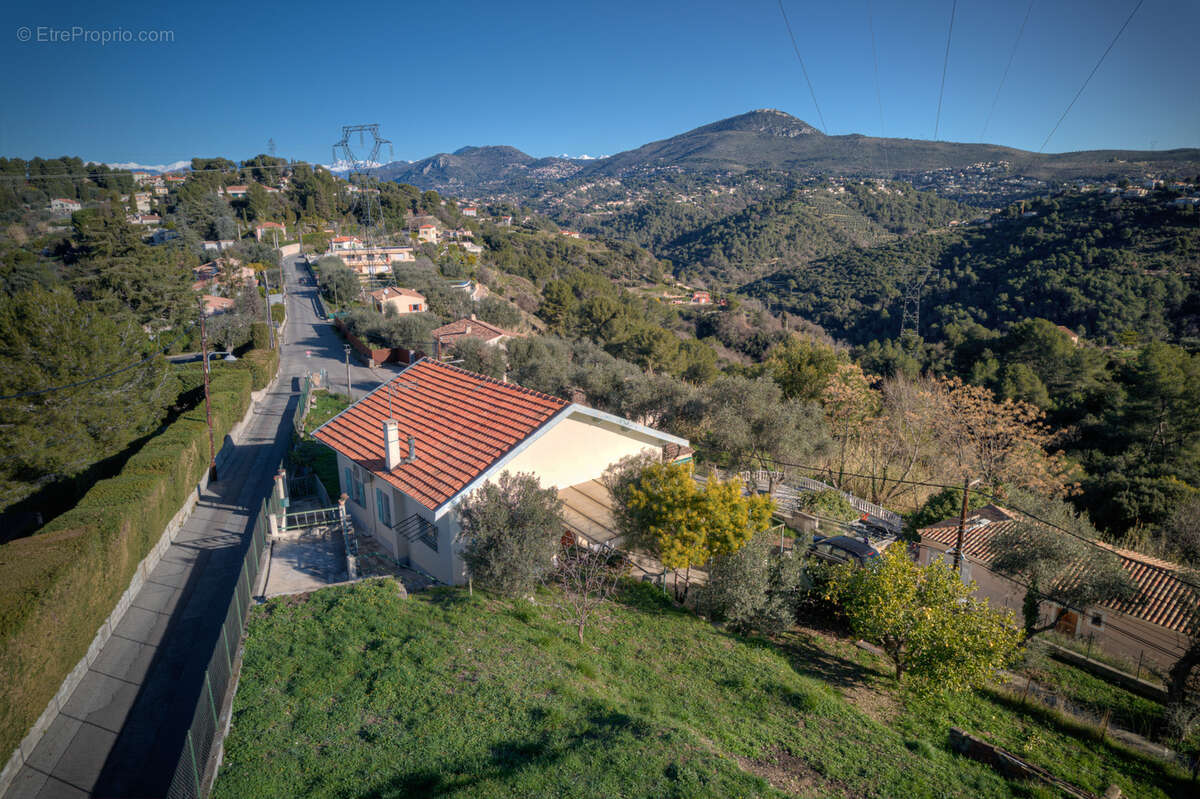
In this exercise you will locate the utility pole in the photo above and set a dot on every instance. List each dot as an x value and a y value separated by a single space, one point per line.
267 303
349 390
962 524
212 449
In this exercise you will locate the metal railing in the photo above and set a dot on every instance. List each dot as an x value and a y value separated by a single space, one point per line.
416 528
887 518
313 518
188 780
302 405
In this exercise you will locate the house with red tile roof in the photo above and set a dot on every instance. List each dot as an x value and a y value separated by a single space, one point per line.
214 305
65 205
412 449
428 233
445 337
401 301
1153 628
266 228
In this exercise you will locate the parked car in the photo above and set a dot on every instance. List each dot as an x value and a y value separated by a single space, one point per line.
839 549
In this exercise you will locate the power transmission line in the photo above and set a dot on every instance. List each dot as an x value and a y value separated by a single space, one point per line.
1091 74
1007 67
945 66
803 69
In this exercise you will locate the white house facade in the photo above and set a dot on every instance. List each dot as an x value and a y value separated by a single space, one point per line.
412 449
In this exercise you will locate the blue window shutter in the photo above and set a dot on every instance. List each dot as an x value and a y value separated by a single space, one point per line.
348 485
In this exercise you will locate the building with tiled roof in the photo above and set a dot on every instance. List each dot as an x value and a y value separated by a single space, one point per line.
215 305
409 451
446 336
1154 627
401 301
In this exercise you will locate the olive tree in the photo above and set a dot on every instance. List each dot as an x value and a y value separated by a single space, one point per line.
754 588
511 529
1054 553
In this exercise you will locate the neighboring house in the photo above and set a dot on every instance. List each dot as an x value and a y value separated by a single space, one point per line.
218 245
412 449
506 221
470 210
367 261
162 236
402 301
143 219
701 298
1184 202
237 192
215 305
428 233
471 247
445 337
142 199
1152 628
267 228
62 205
342 243
1069 333
571 234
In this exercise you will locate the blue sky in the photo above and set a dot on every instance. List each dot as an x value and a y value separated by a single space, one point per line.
582 77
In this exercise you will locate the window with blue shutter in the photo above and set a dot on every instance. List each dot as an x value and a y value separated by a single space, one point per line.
384 507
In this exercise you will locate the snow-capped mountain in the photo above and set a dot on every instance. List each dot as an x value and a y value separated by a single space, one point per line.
346 166
159 168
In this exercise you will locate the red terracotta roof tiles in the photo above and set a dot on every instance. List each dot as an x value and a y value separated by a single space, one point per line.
1162 597
462 422
476 328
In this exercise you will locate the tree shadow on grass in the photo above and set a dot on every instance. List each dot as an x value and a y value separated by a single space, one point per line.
505 759
807 657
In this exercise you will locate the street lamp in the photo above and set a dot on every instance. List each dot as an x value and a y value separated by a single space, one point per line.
349 390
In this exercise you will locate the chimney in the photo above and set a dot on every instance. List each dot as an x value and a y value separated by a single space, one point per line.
391 443
468 331
472 317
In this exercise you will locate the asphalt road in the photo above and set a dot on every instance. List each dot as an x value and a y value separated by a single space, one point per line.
123 730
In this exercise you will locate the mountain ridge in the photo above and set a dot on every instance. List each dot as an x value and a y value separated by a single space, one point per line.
766 139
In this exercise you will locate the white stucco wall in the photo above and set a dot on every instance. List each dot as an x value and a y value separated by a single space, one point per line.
574 451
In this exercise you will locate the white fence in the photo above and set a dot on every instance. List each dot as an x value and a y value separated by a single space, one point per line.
787 493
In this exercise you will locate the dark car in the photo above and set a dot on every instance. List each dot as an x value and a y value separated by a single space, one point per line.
844 549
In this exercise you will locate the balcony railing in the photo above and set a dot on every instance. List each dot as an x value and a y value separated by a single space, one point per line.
417 528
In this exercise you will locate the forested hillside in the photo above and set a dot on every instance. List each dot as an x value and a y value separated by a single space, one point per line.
1107 267
804 225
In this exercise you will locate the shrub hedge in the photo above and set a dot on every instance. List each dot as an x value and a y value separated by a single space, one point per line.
63 581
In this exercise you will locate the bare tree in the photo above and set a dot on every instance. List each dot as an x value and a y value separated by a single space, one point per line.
588 581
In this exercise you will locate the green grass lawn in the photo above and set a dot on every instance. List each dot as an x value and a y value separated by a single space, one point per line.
324 407
1096 696
353 692
313 454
